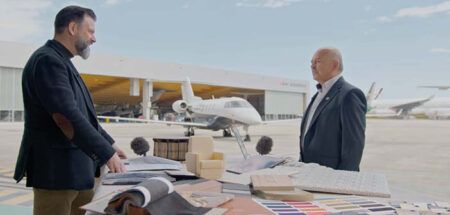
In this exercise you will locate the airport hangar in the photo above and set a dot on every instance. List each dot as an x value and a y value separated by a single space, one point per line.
120 83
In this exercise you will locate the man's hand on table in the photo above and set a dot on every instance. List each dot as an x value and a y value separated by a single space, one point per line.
115 165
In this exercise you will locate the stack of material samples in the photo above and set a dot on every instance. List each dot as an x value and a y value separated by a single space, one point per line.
278 187
141 168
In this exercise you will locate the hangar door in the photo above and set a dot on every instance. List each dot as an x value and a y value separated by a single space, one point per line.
283 105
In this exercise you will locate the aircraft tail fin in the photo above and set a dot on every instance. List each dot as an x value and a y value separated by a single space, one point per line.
187 92
373 94
378 94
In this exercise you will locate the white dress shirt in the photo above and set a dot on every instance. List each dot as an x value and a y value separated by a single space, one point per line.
322 92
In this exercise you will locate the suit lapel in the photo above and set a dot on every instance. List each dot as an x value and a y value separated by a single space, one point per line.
63 52
86 94
327 99
307 113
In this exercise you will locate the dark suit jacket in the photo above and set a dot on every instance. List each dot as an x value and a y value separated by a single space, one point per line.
63 144
336 135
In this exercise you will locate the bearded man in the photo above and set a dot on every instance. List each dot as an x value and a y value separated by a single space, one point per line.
63 145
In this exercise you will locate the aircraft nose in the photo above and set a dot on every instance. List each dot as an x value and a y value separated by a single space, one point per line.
255 117
248 116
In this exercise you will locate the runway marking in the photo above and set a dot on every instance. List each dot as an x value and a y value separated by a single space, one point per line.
11 194
19 199
6 171
9 175
27 203
6 192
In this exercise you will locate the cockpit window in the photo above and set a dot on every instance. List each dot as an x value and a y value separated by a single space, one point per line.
237 104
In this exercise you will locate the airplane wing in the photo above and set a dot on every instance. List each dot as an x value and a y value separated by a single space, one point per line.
437 87
191 124
406 107
383 115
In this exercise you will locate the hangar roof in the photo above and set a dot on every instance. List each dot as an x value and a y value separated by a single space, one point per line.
16 54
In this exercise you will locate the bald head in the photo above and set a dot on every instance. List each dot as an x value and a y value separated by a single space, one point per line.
333 54
326 64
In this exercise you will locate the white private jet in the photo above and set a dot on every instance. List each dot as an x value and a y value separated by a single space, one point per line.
214 114
431 107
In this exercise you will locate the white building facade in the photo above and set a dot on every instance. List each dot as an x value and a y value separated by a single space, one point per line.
282 97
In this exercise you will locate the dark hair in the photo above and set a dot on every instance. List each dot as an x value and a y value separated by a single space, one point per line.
69 14
264 145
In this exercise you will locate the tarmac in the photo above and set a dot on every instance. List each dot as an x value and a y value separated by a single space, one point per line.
414 154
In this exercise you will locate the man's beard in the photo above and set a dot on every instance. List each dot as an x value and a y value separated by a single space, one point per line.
82 48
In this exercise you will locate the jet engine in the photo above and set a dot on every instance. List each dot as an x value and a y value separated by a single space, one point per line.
180 106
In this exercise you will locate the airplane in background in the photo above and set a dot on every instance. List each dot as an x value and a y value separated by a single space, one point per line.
128 110
430 107
121 110
214 114
442 87
436 108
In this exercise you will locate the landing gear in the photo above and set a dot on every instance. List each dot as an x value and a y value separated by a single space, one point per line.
240 142
227 133
247 136
189 132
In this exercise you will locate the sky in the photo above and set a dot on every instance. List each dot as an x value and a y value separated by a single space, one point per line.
399 44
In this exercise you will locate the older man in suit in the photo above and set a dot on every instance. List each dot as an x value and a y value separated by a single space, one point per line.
332 130
63 144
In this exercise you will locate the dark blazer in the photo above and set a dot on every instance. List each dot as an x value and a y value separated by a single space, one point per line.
63 144
336 135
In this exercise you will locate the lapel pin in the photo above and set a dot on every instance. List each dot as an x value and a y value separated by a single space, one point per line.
326 98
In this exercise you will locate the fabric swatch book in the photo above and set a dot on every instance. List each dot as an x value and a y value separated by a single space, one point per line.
154 196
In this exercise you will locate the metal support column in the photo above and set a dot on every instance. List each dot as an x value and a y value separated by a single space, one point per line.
146 95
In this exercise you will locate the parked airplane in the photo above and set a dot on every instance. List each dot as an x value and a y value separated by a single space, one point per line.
441 87
403 108
120 110
436 108
127 110
214 114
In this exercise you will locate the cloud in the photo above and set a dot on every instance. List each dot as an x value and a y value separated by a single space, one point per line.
69 3
186 5
21 19
384 19
265 3
368 8
420 12
370 31
114 2
439 50
424 11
